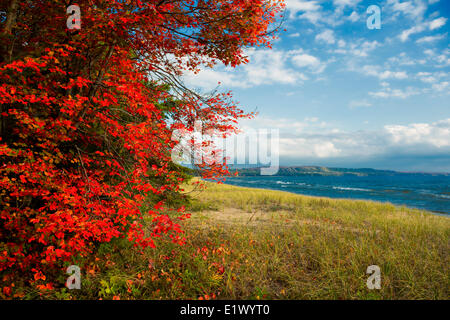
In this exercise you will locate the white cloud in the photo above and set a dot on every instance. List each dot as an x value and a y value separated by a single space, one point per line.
359 104
426 77
305 60
326 36
429 39
297 138
404 60
358 48
415 9
311 119
436 134
294 35
325 150
441 59
265 67
354 17
420 27
363 49
269 66
296 6
285 125
382 75
395 93
437 23
445 85
343 3
406 33
315 14
318 140
312 16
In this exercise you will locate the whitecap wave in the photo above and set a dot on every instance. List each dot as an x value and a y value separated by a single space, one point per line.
283 182
350 189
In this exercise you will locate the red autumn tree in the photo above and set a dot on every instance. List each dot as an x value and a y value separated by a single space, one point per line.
87 117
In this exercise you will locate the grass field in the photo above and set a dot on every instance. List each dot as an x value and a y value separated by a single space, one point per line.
297 247
258 244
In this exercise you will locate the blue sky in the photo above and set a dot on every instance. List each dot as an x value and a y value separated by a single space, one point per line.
345 95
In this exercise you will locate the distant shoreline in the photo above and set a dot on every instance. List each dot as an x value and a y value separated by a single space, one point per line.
284 171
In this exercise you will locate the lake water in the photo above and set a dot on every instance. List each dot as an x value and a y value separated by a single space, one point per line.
429 192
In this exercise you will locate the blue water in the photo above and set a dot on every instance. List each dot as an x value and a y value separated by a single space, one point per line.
429 192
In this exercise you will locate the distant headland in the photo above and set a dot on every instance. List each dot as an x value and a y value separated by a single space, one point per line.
328 171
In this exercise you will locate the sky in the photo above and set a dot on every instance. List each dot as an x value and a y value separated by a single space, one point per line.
344 95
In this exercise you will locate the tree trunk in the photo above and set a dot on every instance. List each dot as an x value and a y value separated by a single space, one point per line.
11 17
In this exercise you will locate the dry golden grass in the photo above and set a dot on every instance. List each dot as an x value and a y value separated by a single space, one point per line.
298 247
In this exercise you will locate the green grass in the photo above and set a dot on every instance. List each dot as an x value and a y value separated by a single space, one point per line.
258 244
